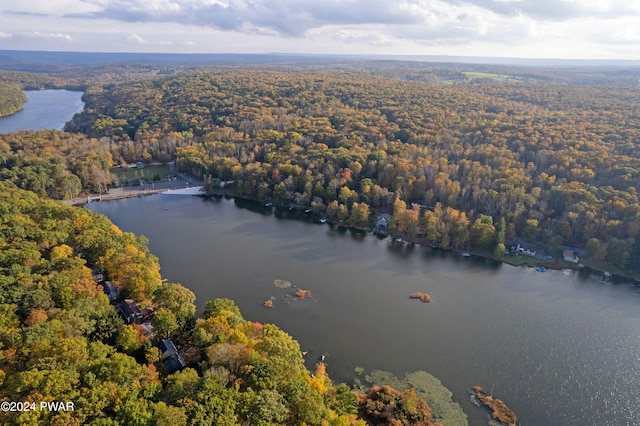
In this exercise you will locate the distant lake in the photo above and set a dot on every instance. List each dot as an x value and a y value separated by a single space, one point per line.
559 347
44 109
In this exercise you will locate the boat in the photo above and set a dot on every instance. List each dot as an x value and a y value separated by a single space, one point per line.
465 254
541 268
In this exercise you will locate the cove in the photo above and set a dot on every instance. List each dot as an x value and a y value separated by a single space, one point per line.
44 109
559 347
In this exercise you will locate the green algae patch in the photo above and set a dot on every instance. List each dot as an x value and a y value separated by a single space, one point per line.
282 283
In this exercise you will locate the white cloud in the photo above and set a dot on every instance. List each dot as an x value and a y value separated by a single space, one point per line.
596 28
137 39
58 36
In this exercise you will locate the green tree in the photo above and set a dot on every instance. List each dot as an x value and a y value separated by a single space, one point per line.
343 212
267 408
128 339
165 322
531 229
483 232
168 415
178 299
359 215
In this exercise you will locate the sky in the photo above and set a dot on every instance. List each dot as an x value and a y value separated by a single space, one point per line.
565 29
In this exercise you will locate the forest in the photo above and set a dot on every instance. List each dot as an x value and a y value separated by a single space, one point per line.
62 340
462 166
459 161
11 99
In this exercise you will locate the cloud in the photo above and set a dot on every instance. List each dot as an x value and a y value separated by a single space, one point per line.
555 10
137 39
380 24
24 13
500 27
285 17
296 17
58 36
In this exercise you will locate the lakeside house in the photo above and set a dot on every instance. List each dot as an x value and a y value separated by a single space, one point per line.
110 289
570 256
382 223
524 250
172 358
129 311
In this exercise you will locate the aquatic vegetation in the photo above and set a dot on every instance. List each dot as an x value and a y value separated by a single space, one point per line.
282 283
499 409
384 405
426 386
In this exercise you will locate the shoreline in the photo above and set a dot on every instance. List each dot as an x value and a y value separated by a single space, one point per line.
132 191
530 262
123 193
118 194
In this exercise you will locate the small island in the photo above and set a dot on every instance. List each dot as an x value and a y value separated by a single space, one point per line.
422 296
499 409
303 294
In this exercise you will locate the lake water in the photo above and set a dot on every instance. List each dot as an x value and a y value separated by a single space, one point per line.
44 109
559 347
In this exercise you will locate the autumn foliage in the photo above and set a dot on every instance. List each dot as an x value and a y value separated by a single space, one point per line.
557 163
384 405
499 409
422 296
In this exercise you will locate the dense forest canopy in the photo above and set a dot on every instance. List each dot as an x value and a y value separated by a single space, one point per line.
11 98
55 164
461 165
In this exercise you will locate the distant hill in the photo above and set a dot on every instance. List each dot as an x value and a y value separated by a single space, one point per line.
21 59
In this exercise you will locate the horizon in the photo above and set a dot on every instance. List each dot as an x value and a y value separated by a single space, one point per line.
517 29
104 57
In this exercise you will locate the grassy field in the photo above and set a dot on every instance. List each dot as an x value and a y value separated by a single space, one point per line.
473 75
149 173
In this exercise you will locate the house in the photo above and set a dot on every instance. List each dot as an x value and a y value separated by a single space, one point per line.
167 348
382 223
97 275
172 358
111 290
570 256
525 250
129 311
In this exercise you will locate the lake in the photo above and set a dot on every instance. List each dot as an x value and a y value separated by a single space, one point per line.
559 347
44 109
